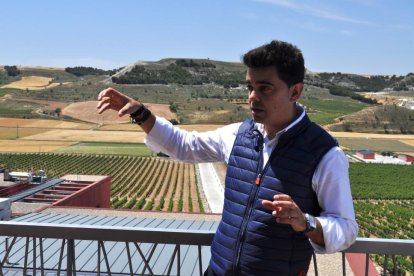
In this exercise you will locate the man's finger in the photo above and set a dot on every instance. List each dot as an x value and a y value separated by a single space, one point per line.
124 110
102 101
282 197
285 220
284 204
103 93
104 107
268 204
107 93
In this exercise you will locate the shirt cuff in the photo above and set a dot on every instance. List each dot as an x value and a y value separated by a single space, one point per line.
338 234
158 135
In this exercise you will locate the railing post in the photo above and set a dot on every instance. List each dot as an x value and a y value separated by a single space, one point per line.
343 264
42 269
172 260
99 259
200 264
385 264
26 253
394 263
131 272
62 248
366 264
70 259
6 255
315 265
179 260
412 261
34 256
7 249
108 268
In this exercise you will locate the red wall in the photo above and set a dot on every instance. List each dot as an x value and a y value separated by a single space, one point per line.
97 194
366 156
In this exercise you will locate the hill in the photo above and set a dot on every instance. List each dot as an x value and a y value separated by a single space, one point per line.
387 119
197 91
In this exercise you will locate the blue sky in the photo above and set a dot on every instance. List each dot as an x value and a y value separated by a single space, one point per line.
349 36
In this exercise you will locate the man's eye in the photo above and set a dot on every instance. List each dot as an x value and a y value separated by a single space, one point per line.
264 89
249 88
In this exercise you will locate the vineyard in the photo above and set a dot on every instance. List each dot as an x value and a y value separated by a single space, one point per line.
391 219
384 204
139 183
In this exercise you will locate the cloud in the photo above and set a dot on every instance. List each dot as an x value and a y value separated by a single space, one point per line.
319 11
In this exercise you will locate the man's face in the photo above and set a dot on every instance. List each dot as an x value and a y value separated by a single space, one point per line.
271 100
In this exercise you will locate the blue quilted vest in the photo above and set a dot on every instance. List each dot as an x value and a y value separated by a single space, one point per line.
248 240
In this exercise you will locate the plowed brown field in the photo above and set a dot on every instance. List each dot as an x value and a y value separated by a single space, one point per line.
86 111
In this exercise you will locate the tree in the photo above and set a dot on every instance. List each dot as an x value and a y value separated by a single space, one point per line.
173 107
58 111
12 71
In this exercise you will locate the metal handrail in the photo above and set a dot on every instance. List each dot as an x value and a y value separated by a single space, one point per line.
382 246
68 233
386 247
106 233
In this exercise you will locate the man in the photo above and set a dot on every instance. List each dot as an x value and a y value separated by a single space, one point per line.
287 186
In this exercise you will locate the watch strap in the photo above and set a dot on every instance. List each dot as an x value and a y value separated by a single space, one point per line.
310 223
140 116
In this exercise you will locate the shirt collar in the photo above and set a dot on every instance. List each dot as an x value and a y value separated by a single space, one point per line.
260 127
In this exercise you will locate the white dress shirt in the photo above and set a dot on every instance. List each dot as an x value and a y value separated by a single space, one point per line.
330 180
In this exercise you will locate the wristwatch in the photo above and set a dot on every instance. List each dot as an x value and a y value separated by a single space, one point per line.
310 223
140 116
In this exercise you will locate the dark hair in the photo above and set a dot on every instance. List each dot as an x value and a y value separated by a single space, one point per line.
285 57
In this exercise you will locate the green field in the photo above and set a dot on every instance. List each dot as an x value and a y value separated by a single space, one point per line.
381 181
325 111
378 145
132 149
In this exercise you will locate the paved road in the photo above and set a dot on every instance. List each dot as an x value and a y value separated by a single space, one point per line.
213 190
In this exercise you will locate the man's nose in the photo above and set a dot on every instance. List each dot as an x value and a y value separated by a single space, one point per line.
253 95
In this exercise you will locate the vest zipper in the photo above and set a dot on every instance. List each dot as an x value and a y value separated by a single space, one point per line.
249 209
258 179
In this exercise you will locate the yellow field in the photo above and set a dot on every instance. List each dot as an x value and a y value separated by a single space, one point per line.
70 135
32 83
32 146
40 68
372 135
38 123
14 132
408 142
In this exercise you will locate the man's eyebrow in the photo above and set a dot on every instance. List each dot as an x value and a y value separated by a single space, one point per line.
261 82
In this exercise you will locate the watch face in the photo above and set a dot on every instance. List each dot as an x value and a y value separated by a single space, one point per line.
312 222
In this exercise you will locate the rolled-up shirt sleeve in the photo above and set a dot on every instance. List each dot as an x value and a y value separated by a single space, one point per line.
331 184
191 146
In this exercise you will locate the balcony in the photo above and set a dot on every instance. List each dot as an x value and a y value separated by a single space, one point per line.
84 244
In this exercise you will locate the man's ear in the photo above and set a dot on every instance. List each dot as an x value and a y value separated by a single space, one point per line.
296 91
